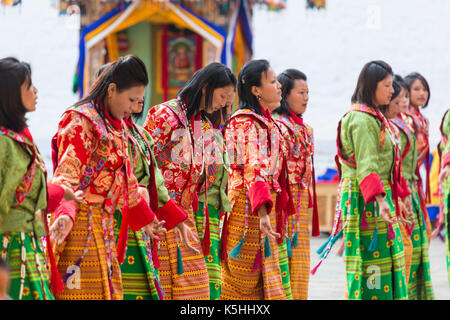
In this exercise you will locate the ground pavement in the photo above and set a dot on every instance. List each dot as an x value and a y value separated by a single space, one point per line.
329 281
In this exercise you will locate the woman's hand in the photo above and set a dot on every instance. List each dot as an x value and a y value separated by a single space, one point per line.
408 206
406 210
186 234
143 192
384 209
444 174
60 229
265 225
154 229
69 195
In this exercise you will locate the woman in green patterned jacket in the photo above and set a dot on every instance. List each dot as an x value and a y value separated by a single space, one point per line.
374 257
25 196
444 182
419 272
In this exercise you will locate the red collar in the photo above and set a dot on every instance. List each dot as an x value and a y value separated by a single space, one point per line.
266 113
128 122
26 132
117 124
297 119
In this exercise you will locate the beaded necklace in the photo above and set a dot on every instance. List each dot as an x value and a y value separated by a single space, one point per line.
5 246
108 235
22 265
142 145
38 264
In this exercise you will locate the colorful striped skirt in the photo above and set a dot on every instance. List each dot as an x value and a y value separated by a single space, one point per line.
138 273
283 257
407 248
26 262
87 260
447 223
374 263
419 285
212 260
299 259
243 277
423 206
183 273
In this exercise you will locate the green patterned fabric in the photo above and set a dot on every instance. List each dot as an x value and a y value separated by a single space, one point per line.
419 286
445 148
14 161
446 132
36 284
373 272
409 163
138 272
213 259
218 201
447 224
217 191
360 136
284 267
142 172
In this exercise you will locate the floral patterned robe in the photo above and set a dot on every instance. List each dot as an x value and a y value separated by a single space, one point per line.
184 275
251 266
91 154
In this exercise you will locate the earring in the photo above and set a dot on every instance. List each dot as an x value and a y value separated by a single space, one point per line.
258 97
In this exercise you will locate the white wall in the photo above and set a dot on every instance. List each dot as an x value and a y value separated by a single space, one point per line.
331 46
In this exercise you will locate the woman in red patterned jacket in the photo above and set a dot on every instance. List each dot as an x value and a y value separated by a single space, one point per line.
419 96
184 153
90 153
251 266
299 137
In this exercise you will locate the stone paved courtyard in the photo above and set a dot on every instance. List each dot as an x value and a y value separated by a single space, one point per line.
329 281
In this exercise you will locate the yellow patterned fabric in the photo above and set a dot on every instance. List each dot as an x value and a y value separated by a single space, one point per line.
299 263
90 281
193 284
239 281
408 248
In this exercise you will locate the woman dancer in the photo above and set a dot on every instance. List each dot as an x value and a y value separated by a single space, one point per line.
419 98
91 154
25 196
184 153
374 255
251 265
417 262
299 137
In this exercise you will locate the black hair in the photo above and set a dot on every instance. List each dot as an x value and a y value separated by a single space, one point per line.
13 74
287 80
372 73
401 82
135 116
249 76
413 76
397 89
213 76
126 72
220 116
102 68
